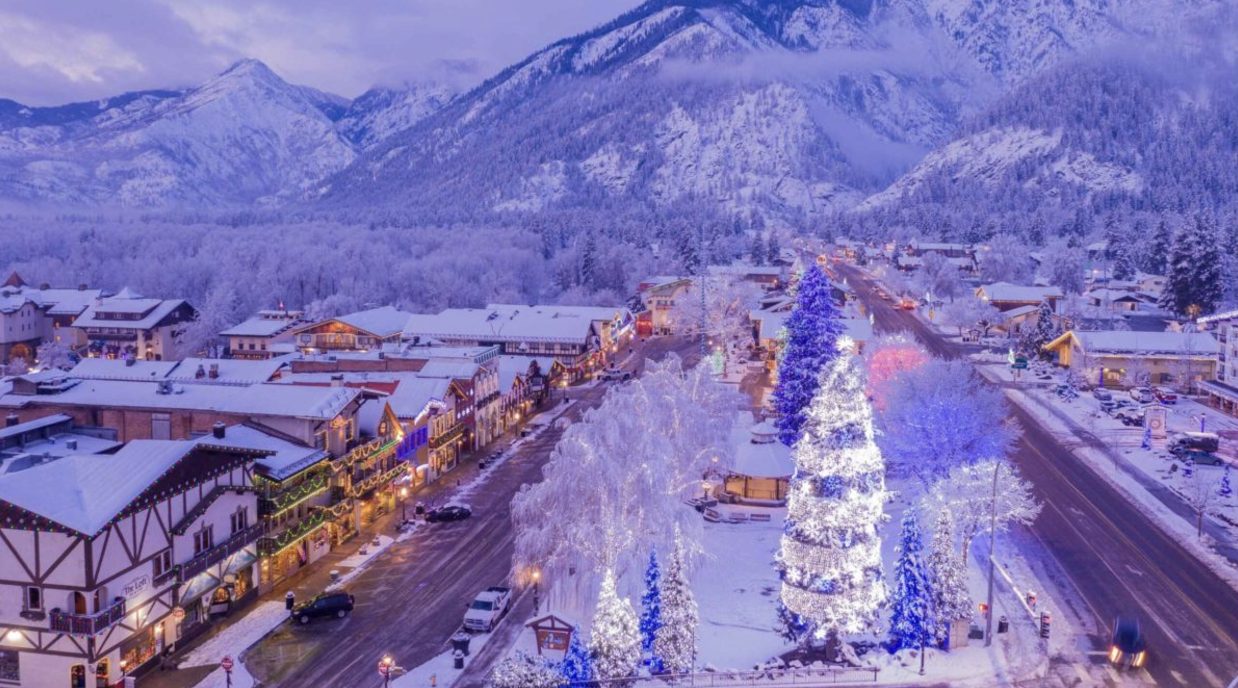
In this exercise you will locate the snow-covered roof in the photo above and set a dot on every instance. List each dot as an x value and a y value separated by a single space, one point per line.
116 369
1198 344
86 491
385 321
1005 291
1020 311
1111 295
260 326
54 300
150 310
745 269
770 322
1223 316
230 370
762 459
448 368
512 323
512 366
296 401
287 458
414 394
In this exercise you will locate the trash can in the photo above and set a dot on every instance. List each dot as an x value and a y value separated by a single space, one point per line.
460 642
1003 624
458 656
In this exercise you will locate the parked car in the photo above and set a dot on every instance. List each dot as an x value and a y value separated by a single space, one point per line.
1143 395
616 375
487 608
448 513
336 604
1102 394
1107 405
1198 441
1130 417
1165 396
1127 645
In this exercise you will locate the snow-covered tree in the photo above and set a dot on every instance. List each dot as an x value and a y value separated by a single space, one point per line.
911 611
614 641
1194 283
948 573
524 671
967 492
830 554
651 608
618 478
1043 331
1005 259
16 366
1064 266
54 354
939 277
221 309
1226 489
969 312
577 666
1200 493
727 303
1156 257
812 343
886 359
675 645
756 250
942 415
773 254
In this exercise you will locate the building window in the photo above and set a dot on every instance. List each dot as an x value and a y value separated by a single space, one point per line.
163 562
240 520
203 540
34 598
161 426
10 668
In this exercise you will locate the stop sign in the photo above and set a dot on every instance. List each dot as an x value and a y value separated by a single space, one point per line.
226 663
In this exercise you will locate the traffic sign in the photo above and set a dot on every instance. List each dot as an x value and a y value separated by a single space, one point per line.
226 663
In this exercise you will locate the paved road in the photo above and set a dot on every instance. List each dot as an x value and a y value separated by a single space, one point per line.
412 597
1117 559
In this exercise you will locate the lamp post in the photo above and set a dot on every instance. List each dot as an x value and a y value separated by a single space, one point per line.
384 669
988 622
537 590
403 504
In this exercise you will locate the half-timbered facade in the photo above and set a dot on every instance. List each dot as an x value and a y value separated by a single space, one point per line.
105 560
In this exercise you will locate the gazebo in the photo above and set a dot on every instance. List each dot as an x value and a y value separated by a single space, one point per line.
762 468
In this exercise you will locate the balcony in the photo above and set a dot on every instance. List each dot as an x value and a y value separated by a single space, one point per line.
221 551
88 624
451 435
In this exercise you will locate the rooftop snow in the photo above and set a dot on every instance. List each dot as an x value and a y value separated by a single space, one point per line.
759 460
383 322
288 459
1004 291
1125 341
152 310
510 323
259 326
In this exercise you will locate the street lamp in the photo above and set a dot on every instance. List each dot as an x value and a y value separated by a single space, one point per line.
384 669
537 590
403 504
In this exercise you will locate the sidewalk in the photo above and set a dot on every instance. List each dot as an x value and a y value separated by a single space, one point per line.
315 578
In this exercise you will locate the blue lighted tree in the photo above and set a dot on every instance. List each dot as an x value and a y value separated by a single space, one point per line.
577 666
812 342
911 620
1226 490
651 609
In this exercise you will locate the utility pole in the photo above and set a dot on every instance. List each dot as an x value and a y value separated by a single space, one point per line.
700 267
988 622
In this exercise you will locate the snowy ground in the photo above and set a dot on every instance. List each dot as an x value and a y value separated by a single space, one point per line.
232 642
440 670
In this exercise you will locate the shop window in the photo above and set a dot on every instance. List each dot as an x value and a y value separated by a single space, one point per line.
10 666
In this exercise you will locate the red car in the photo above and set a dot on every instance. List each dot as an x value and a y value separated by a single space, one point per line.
1165 396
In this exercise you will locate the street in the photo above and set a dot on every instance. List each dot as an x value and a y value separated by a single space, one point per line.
412 597
1116 558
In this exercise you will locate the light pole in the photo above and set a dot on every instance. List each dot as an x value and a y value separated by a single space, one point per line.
537 590
988 622
384 669
403 504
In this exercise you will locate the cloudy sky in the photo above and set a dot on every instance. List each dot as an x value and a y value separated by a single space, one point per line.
61 51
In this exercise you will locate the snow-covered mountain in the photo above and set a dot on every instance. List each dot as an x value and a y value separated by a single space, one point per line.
381 112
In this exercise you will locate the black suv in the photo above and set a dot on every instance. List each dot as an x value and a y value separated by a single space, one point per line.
337 604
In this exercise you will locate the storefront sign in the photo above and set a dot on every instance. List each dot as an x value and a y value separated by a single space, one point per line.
136 586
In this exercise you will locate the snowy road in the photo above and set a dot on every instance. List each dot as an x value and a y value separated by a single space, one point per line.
411 599
1117 559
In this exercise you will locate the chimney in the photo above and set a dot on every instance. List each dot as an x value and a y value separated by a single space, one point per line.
337 380
219 430
214 371
199 373
10 420
71 445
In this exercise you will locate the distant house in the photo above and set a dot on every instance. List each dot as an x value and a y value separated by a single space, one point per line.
260 336
130 326
766 276
30 316
762 471
1222 391
360 331
1123 358
923 248
1006 296
658 296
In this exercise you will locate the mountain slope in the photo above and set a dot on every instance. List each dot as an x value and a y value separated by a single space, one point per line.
381 112
245 136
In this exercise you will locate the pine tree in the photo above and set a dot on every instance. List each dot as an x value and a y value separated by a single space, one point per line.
1156 260
615 639
812 342
830 555
577 666
588 262
651 608
1194 283
774 254
911 617
1045 331
756 252
951 601
1123 264
675 645
687 249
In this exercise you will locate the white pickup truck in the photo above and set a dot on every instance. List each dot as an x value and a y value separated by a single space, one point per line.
487 608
